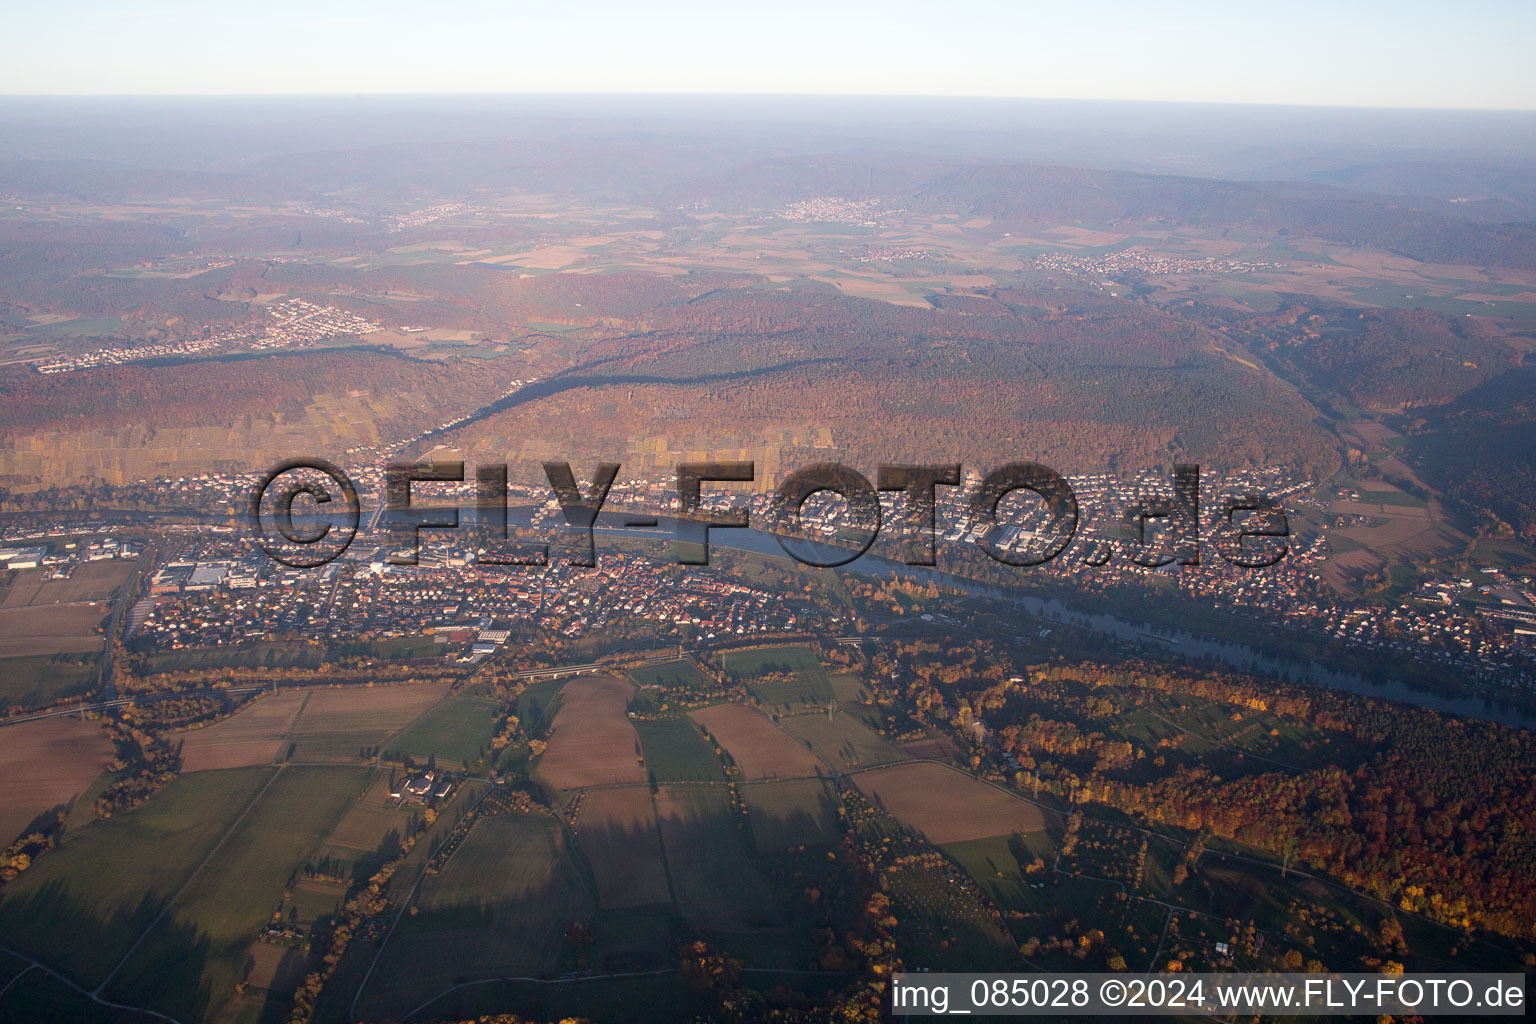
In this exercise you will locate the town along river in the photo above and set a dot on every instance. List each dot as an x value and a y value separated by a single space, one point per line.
1184 644
1052 609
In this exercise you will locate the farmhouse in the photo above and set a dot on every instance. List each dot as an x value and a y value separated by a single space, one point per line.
429 785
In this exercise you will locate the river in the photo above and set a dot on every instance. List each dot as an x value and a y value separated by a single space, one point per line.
1050 610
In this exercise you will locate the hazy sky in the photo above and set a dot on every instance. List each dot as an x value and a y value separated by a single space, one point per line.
1401 53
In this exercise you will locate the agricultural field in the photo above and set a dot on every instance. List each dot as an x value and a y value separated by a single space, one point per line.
945 804
538 705
276 968
35 996
841 740
500 906
760 749
938 748
458 731
42 618
636 938
10 966
1043 903
234 894
617 833
675 751
1107 850
792 813
848 688
52 629
339 721
46 764
311 901
251 736
765 670
1237 742
644 999
265 654
715 884
81 908
39 679
83 810
368 834
274 971
672 675
943 920
1226 888
591 742
90 581
1011 870
415 647
280 654
854 699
